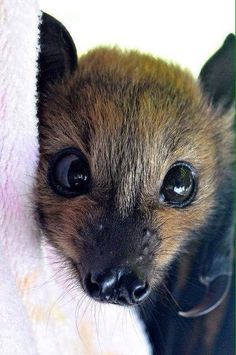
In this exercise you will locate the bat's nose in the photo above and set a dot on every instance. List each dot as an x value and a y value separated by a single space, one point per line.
118 286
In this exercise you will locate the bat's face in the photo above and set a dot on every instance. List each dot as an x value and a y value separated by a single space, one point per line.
130 163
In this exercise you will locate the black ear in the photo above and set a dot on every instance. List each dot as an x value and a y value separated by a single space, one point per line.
217 75
57 56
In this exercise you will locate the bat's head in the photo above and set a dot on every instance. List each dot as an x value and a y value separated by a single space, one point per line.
133 152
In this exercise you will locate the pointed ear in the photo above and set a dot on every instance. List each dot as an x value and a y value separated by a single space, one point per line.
57 56
217 75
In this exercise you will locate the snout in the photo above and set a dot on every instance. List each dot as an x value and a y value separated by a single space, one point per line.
118 286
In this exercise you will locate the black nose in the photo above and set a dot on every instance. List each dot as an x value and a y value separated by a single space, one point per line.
119 286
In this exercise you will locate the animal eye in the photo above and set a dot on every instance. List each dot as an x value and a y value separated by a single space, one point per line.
69 173
179 185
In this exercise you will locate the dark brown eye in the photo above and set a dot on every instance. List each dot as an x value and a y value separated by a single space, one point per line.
179 185
69 173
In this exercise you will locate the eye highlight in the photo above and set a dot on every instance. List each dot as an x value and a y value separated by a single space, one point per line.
69 173
179 186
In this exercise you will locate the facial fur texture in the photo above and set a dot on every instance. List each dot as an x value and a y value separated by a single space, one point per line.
132 116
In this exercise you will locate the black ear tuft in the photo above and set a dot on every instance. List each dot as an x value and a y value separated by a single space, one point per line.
57 55
217 75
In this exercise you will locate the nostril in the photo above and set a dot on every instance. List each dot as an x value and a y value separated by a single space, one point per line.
102 286
140 292
92 286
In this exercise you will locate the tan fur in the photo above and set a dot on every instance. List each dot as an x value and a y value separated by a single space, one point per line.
139 115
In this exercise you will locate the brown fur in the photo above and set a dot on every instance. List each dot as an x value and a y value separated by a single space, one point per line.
133 116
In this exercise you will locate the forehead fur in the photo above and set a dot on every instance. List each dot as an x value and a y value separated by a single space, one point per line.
133 116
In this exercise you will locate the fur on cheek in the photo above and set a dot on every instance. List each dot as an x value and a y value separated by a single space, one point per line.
176 226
